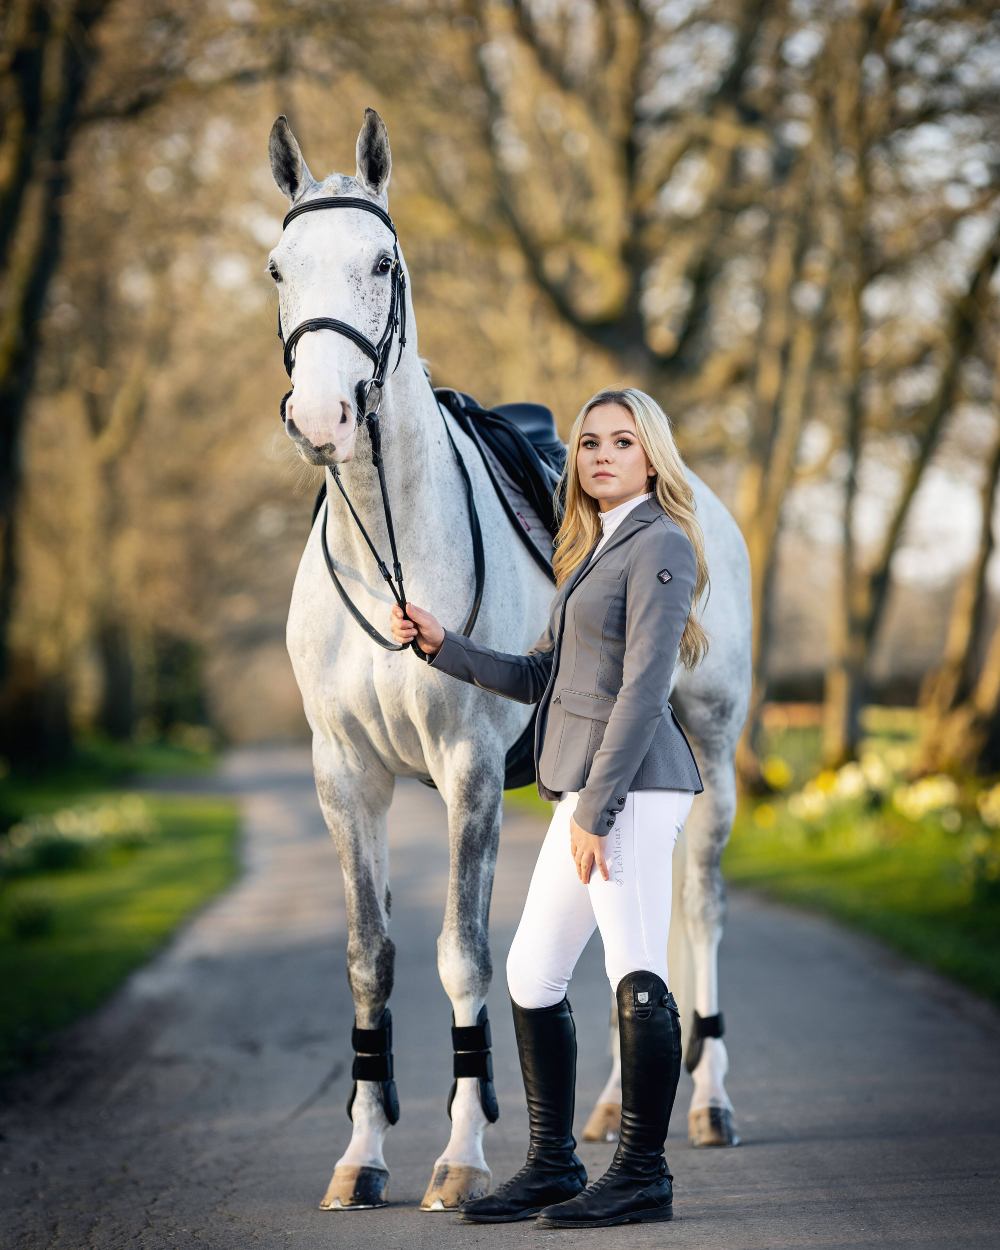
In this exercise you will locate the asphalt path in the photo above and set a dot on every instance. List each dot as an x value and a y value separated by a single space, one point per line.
204 1105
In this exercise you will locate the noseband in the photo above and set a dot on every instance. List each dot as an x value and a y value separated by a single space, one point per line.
368 414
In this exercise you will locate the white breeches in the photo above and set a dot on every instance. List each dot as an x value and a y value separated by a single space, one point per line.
632 909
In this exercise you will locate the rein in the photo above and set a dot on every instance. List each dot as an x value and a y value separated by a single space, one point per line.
379 354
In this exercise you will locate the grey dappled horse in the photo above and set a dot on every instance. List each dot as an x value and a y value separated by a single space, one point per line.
377 714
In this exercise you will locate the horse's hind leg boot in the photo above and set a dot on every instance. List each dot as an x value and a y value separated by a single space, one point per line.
703 1026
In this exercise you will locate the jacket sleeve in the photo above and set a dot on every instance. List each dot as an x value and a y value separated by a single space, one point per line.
656 611
520 677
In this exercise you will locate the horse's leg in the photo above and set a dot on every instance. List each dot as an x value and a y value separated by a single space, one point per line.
710 1118
355 807
606 1118
474 793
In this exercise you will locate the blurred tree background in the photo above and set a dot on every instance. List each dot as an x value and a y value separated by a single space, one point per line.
780 218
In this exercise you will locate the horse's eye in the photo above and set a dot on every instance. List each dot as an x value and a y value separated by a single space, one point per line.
384 264
272 269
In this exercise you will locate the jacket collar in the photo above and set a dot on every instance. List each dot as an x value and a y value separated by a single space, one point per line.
640 516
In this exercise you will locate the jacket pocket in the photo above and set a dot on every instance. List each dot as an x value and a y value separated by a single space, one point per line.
581 703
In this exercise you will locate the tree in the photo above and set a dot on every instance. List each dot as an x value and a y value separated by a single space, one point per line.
46 58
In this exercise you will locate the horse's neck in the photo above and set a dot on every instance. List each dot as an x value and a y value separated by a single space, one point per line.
421 476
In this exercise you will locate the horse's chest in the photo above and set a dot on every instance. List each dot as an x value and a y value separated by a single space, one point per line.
350 691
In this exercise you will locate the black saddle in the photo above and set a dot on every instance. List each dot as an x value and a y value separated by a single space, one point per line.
524 458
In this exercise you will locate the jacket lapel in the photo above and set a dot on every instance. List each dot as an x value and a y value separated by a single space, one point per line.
640 516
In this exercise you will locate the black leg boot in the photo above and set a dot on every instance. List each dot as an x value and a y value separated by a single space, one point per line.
546 1047
637 1185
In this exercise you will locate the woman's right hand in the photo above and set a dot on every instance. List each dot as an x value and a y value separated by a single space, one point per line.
427 629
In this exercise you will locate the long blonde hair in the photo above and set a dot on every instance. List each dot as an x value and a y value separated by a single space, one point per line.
580 526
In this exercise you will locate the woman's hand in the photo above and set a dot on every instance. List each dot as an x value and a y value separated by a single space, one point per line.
588 850
427 629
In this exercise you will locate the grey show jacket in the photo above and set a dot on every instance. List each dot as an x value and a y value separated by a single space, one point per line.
601 672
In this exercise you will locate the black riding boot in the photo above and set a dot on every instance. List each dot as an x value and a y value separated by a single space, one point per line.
546 1047
637 1185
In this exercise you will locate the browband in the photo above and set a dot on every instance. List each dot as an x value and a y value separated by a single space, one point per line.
348 201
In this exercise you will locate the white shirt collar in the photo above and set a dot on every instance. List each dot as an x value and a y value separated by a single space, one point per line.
611 519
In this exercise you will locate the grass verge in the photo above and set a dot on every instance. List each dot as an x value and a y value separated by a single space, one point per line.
81 908
915 895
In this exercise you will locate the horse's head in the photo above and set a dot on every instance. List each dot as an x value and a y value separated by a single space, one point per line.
335 264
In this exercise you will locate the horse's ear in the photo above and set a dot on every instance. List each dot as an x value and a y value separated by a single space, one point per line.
288 165
374 158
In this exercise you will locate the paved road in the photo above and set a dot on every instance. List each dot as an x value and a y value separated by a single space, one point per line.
205 1105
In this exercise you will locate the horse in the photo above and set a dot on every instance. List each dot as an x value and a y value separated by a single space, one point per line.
362 408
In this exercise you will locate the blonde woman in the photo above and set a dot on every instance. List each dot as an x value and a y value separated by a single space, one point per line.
630 566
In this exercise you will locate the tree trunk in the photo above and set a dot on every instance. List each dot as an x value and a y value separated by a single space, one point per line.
949 696
34 716
48 54
866 594
968 738
117 712
787 364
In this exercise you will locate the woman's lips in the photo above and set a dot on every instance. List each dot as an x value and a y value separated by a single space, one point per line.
603 475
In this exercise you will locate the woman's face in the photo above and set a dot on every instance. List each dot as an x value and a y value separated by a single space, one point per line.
611 463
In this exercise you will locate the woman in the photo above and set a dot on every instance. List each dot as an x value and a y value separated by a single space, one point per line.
629 566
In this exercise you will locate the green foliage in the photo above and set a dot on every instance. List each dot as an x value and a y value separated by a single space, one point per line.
68 935
179 685
72 836
99 764
917 863
916 893
31 916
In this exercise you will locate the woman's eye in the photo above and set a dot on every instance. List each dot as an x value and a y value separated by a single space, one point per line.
625 442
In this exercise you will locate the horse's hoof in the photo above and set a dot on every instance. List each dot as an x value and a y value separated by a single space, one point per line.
604 1123
712 1126
452 1184
354 1188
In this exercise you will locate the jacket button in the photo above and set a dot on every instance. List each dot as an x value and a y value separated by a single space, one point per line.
611 824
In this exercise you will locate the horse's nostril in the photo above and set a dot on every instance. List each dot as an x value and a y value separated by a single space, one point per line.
345 412
290 425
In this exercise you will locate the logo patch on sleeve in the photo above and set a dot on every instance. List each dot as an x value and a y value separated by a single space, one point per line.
664 575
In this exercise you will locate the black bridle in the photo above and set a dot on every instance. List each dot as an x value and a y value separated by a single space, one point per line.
368 414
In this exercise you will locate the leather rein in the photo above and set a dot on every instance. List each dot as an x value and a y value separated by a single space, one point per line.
368 411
